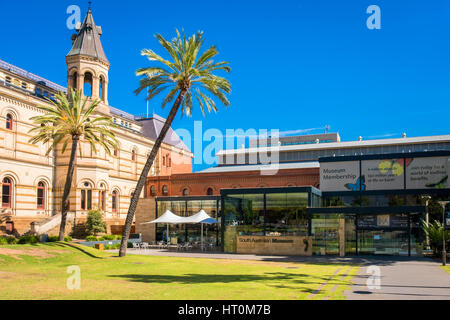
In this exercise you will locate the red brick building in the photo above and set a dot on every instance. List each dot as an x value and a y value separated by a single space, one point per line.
210 183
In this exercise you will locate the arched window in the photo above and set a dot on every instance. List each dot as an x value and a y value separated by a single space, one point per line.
209 192
6 193
9 121
74 80
165 190
169 162
164 161
87 88
185 192
102 197
86 196
153 191
115 201
41 194
101 87
133 155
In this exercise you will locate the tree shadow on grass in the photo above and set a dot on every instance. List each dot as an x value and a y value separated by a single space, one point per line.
223 278
79 248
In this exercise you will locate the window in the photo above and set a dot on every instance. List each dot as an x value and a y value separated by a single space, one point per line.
102 197
133 155
87 88
9 121
41 196
114 201
169 162
24 85
209 192
152 191
6 193
165 190
8 80
185 192
74 80
164 161
86 197
115 152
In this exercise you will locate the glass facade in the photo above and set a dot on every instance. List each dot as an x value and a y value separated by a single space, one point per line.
186 207
266 212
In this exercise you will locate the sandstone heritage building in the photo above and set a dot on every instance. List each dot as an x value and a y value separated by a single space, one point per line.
32 183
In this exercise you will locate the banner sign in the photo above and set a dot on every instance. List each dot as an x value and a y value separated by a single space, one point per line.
385 174
388 174
339 176
428 173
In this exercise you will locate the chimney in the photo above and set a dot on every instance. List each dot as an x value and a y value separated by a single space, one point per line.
404 135
359 138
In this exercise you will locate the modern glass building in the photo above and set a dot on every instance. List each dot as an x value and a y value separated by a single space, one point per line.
276 212
185 207
374 204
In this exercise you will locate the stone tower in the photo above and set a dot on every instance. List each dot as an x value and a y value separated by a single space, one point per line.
87 65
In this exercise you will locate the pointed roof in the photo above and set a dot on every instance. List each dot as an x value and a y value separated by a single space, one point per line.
87 41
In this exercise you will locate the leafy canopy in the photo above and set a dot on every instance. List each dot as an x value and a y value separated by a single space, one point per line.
188 72
66 119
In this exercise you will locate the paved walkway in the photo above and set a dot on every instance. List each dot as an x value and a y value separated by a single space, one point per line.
400 279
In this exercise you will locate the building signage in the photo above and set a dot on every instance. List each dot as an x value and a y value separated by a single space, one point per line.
340 176
289 245
382 221
386 174
428 173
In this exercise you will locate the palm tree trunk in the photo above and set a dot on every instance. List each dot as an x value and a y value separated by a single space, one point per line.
65 197
142 179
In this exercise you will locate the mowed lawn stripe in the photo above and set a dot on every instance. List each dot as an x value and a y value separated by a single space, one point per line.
42 274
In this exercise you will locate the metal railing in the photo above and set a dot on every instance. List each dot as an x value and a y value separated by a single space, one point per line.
9 67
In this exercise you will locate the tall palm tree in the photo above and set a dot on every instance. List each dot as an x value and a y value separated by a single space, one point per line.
187 75
66 121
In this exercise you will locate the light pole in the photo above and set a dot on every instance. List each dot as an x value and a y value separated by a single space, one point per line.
444 253
427 219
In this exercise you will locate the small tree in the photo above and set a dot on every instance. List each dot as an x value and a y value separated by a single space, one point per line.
434 231
95 223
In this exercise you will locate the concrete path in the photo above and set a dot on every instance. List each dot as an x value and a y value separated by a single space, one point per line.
400 279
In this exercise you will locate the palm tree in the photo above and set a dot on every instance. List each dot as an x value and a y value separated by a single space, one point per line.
68 120
186 75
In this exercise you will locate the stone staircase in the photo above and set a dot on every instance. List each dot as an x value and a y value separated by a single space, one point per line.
51 225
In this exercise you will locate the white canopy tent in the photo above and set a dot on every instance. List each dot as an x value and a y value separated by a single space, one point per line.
170 218
203 218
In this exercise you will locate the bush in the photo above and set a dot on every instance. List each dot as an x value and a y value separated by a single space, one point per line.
118 238
11 240
52 238
28 239
3 241
112 246
95 223
435 231
67 238
107 237
91 238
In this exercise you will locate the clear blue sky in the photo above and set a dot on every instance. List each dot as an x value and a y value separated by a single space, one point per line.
296 64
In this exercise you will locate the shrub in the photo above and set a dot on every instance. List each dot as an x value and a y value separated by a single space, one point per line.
112 246
11 240
67 238
28 239
3 241
91 238
435 231
52 238
107 237
95 223
118 237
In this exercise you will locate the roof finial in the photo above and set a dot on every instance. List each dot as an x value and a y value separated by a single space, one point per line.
90 2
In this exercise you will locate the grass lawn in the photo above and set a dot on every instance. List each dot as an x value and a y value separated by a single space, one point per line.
40 272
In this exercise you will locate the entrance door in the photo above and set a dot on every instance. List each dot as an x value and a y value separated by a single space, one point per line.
325 232
387 242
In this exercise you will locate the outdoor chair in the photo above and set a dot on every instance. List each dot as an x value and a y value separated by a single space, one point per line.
136 245
145 245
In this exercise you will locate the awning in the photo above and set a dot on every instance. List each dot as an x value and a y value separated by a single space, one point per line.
168 217
200 217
